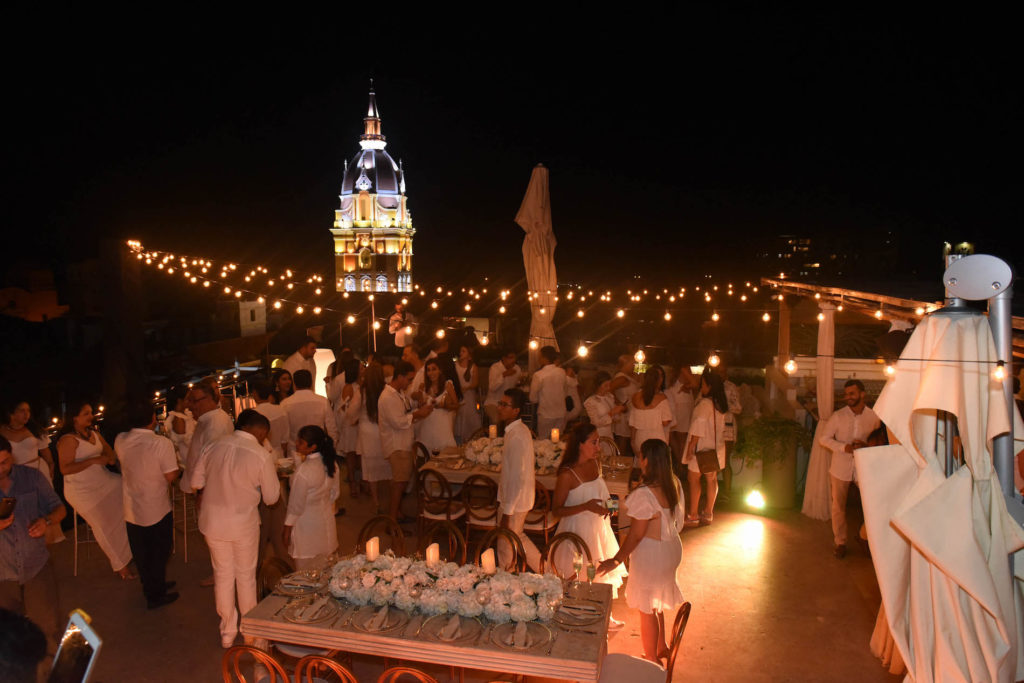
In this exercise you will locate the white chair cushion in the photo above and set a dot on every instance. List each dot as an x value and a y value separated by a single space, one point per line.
617 668
456 513
549 522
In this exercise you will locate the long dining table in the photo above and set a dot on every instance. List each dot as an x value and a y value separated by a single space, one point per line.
574 653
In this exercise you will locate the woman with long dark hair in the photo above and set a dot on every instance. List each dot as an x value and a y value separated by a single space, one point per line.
94 491
467 420
650 412
655 552
580 503
29 445
281 381
706 432
436 430
362 411
310 533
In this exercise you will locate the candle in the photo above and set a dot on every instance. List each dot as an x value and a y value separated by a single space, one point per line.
433 554
372 549
492 431
554 435
487 561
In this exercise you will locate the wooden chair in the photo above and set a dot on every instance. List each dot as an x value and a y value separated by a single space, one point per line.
540 520
435 501
185 522
421 454
557 541
80 537
452 539
492 538
271 571
398 673
231 665
309 668
618 667
390 528
480 499
678 627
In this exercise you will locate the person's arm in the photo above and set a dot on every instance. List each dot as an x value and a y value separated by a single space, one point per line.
392 415
451 401
667 418
828 436
296 505
270 487
66 448
330 423
598 417
49 507
474 377
108 452
619 382
637 531
562 488
168 461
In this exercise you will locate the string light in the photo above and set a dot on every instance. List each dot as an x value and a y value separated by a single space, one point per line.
621 313
668 316
376 324
999 373
890 369
714 360
350 320
766 317
579 313
821 317
582 351
640 356
790 367
534 345
439 334
485 340
715 317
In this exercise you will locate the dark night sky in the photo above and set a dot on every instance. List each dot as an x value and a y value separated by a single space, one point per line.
673 140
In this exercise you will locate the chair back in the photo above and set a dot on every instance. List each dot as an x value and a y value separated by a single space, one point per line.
502 535
434 493
382 525
421 454
231 665
450 537
678 627
480 495
270 573
309 668
399 673
538 514
572 539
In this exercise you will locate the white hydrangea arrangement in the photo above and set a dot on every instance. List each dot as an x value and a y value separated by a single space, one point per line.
487 451
446 588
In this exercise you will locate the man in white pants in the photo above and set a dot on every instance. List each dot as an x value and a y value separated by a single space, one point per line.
548 389
234 472
516 486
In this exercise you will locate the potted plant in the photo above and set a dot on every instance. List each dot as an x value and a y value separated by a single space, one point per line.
773 440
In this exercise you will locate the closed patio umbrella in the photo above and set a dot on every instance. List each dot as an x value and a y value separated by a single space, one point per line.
941 545
534 218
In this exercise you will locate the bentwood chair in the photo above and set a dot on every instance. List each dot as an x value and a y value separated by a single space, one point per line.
405 673
480 499
566 537
269 574
678 627
309 668
80 537
618 667
231 666
541 520
499 535
435 500
450 538
381 525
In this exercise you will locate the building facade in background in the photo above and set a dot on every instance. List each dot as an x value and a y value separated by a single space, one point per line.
372 226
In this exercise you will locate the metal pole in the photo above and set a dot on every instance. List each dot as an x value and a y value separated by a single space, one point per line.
1000 319
373 319
949 441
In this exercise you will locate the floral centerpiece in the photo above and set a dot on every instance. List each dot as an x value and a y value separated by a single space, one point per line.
446 588
487 451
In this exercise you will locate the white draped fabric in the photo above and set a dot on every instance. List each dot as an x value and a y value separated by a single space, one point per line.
534 218
940 546
817 495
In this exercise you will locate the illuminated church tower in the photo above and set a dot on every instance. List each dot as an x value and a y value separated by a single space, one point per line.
372 226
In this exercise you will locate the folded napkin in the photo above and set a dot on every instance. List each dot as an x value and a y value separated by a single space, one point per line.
450 631
310 612
519 638
379 620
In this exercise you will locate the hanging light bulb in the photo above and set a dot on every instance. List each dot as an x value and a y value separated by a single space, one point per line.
467 307
890 370
376 324
790 367
299 309
534 345
351 319
433 304
277 304
999 373
316 310
640 356
714 360
501 309
485 340
878 314
821 317
715 317
668 316
582 351
408 329
766 317
440 334
621 313
579 313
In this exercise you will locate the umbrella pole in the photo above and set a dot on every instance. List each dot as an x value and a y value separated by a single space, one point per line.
999 318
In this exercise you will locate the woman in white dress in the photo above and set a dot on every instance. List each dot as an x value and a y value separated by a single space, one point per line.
579 503
179 424
680 397
655 552
91 489
707 431
467 420
650 414
310 532
436 429
344 386
362 412
29 445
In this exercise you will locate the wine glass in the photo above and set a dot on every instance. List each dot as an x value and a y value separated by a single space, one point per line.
591 572
577 565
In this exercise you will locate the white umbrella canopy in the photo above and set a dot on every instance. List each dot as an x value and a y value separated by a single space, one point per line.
534 218
817 494
940 545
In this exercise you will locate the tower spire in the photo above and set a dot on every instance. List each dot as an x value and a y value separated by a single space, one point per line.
371 137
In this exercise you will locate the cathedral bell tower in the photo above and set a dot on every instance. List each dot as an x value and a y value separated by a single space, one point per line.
372 226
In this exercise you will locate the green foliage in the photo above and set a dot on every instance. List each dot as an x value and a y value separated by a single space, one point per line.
770 438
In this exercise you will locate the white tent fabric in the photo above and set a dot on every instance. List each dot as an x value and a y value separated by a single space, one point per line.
817 489
941 546
534 218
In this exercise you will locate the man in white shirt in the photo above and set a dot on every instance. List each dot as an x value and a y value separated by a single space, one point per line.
503 375
272 517
413 355
847 430
548 389
517 485
624 384
211 424
302 359
234 474
148 465
395 419
731 431
401 324
305 407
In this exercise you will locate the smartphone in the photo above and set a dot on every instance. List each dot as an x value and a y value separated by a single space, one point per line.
7 507
77 653
612 503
